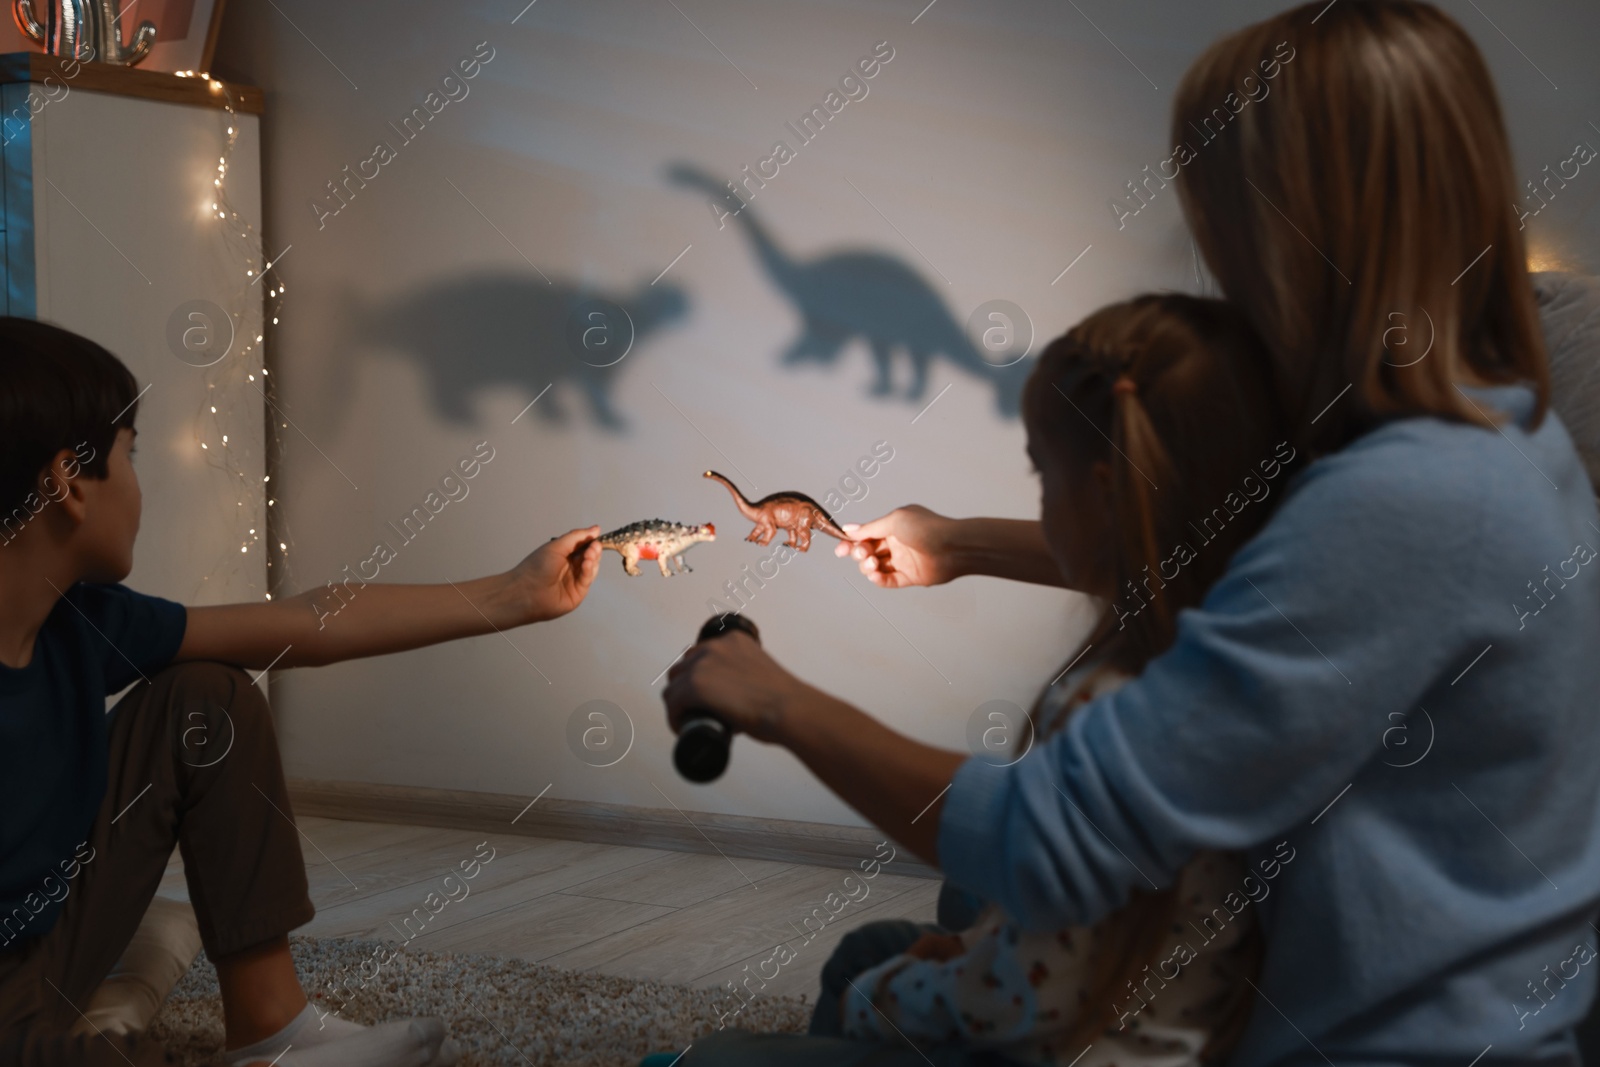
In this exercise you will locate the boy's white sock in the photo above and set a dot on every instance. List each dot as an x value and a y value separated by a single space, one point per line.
328 1027
340 1043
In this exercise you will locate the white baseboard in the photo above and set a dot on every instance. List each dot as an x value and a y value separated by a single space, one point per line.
819 844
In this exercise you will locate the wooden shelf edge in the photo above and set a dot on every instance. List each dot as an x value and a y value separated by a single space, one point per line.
128 81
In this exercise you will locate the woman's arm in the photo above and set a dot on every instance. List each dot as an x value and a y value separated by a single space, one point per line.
1273 698
348 620
915 546
895 781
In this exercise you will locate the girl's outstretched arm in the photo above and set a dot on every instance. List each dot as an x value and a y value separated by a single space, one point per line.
352 619
915 546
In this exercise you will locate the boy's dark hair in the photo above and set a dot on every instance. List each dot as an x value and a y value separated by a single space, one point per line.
57 391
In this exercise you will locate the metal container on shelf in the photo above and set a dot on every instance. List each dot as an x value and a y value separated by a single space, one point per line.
86 30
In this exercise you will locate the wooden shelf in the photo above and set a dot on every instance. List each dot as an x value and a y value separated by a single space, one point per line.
128 81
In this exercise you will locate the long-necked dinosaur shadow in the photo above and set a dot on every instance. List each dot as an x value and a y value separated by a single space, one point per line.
497 329
867 295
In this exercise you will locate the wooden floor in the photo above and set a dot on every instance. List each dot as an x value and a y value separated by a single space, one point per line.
634 912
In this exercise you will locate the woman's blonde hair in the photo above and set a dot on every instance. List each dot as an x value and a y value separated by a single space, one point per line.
1369 199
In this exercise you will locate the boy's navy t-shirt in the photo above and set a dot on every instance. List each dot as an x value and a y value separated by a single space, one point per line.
53 730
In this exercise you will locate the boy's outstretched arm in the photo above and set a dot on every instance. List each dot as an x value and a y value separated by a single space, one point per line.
351 619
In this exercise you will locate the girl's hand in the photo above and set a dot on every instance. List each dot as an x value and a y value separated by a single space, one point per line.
937 947
733 676
909 546
555 578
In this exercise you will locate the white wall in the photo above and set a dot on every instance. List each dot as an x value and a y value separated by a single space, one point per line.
983 160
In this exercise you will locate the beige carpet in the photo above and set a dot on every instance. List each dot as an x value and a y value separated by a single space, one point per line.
502 1011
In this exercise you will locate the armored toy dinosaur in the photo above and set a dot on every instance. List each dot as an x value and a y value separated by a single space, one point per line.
658 540
794 513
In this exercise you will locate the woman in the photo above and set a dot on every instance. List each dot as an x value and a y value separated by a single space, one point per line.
1432 567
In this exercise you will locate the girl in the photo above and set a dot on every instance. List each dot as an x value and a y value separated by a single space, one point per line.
1144 501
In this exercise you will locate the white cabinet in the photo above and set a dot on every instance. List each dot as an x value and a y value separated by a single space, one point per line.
109 231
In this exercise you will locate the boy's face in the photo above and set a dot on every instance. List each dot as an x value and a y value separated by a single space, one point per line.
111 515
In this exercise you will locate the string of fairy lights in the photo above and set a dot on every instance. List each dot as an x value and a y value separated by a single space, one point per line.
240 384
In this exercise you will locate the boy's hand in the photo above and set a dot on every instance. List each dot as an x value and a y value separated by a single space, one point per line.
556 577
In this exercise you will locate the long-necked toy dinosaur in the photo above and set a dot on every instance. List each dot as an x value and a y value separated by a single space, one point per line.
794 513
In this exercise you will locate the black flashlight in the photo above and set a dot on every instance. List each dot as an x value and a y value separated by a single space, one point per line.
701 754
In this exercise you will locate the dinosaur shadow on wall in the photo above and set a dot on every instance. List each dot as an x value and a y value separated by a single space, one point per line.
490 331
868 296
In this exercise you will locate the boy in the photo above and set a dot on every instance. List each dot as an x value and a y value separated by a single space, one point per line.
91 804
